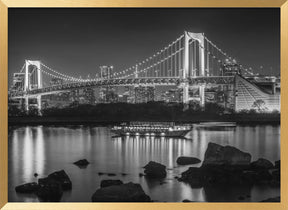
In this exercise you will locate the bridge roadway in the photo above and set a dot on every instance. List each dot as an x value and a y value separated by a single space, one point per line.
147 81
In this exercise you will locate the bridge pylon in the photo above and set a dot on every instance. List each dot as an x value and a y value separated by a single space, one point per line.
30 84
26 103
38 72
199 37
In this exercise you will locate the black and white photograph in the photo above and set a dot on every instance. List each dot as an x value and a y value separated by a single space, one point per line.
144 105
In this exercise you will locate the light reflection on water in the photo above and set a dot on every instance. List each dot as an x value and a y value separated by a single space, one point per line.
44 149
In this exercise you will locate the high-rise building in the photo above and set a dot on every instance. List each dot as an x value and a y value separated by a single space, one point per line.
18 81
123 98
130 92
106 72
143 94
172 96
108 95
222 94
231 68
89 96
74 95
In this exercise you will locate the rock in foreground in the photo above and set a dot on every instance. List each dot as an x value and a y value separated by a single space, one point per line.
110 182
27 188
225 166
155 170
81 163
129 192
186 201
62 178
261 164
183 160
51 188
193 176
225 155
275 177
277 164
50 191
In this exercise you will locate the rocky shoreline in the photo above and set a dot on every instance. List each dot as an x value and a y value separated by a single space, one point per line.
222 166
230 166
48 189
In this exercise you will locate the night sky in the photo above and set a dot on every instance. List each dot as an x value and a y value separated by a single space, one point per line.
78 41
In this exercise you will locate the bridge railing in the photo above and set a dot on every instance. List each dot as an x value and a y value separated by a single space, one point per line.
127 82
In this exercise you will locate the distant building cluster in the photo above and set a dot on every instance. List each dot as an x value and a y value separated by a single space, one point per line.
18 79
144 94
230 68
222 95
108 95
106 72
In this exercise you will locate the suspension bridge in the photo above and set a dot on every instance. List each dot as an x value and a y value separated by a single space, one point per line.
192 60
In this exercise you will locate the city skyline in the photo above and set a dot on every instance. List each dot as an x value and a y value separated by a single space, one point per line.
175 113
85 39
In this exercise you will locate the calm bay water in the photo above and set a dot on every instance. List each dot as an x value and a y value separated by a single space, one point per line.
45 149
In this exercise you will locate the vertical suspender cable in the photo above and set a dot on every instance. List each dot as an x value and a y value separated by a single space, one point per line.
160 65
212 60
171 60
191 58
164 63
175 60
207 51
179 57
195 59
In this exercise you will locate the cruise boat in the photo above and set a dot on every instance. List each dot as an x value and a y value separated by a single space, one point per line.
158 129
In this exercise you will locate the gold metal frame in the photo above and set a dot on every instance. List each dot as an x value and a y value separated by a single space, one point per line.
5 4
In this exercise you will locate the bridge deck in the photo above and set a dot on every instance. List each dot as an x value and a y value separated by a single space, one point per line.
149 81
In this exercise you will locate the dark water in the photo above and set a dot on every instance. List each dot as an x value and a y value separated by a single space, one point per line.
44 149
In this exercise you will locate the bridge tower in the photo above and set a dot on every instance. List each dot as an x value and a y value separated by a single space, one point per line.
29 84
199 37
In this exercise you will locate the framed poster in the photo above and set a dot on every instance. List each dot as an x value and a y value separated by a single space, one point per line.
149 105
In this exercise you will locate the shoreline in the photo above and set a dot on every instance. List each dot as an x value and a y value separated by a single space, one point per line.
92 121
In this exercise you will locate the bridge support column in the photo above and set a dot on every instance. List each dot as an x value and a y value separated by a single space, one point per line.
39 105
186 55
202 95
186 93
186 70
202 56
39 76
26 103
273 88
26 79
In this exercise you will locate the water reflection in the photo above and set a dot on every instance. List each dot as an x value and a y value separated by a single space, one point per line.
27 160
44 149
28 152
39 150
138 150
